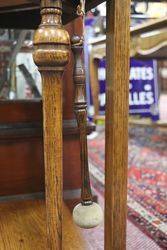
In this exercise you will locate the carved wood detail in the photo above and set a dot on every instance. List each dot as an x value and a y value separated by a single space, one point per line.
51 54
80 108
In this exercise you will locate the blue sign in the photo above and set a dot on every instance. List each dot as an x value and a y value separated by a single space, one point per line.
143 94
143 89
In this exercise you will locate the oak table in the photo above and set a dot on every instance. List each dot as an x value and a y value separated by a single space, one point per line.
51 55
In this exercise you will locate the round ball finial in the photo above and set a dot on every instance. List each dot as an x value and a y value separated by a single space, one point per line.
89 216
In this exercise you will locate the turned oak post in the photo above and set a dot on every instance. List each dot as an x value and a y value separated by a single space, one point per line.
117 101
87 214
80 109
51 54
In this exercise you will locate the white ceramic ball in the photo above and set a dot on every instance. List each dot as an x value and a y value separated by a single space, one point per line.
87 216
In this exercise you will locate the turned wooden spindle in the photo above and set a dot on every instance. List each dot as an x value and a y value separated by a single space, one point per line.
87 214
51 54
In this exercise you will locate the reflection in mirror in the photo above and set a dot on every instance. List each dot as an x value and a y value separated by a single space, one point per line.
19 77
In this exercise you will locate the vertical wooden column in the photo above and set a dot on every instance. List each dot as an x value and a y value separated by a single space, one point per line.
117 96
51 54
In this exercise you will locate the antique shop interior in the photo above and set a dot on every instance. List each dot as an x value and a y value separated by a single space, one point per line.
54 109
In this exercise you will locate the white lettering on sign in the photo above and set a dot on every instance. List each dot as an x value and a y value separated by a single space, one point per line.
102 99
144 96
101 74
141 73
136 73
141 98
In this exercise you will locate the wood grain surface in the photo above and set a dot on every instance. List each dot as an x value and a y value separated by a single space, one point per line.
52 111
20 111
23 227
51 54
80 108
116 154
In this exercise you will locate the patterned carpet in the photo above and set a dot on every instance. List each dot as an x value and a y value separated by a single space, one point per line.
135 240
147 178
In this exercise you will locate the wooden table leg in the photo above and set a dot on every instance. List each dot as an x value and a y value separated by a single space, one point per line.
117 96
51 54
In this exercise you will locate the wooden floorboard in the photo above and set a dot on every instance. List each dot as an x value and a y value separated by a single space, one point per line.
23 227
